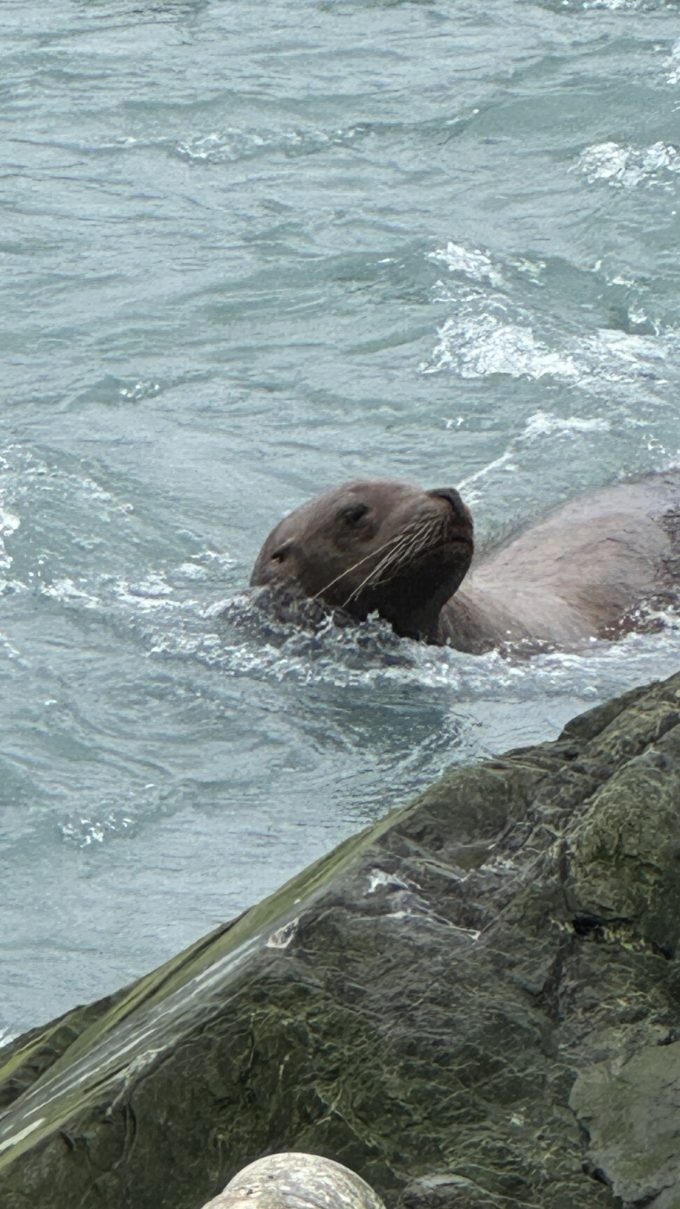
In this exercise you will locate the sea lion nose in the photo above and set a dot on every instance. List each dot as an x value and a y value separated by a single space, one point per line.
450 494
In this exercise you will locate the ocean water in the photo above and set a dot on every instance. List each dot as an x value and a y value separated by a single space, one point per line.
247 252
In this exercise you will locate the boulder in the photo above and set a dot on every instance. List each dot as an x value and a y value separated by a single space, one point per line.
473 1004
296 1181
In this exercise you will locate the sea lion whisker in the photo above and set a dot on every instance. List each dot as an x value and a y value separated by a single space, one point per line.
396 547
408 543
381 573
394 553
422 537
414 540
383 565
349 570
385 573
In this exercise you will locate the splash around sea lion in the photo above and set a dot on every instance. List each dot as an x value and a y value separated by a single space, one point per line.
384 546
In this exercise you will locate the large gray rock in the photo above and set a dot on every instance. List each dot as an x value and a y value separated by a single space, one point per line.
474 1004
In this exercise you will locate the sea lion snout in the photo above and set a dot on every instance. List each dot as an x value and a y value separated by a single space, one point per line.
461 511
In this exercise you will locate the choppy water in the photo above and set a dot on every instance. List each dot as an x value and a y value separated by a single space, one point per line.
247 252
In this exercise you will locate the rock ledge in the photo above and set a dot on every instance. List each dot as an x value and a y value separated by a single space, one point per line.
474 1004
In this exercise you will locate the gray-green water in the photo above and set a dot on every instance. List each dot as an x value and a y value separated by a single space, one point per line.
248 251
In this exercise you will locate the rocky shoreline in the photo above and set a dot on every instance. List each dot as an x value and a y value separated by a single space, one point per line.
474 1004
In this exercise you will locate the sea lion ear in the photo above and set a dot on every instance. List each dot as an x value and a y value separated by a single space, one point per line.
281 553
273 556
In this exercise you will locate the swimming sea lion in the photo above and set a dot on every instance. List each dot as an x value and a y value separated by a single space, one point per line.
383 545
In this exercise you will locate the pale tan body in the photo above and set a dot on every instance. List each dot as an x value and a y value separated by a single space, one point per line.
578 574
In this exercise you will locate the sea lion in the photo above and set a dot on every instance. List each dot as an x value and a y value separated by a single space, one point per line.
385 546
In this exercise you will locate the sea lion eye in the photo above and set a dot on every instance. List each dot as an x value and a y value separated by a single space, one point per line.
354 513
280 555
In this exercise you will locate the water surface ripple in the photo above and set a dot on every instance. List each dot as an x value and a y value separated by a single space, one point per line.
247 253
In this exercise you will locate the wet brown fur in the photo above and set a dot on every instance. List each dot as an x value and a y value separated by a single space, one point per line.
386 546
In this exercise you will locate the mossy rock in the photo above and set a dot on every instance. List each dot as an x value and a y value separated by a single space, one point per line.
438 1004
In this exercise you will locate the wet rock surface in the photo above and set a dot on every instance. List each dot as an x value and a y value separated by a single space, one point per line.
475 1003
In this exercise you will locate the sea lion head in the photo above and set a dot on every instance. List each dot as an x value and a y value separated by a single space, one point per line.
376 545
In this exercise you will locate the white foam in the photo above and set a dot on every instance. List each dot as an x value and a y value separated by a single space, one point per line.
84 831
67 591
9 523
625 166
483 344
478 341
153 585
139 390
233 143
613 6
472 262
545 423
673 65
8 648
